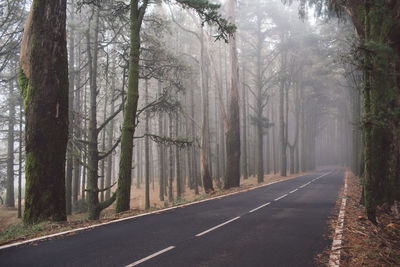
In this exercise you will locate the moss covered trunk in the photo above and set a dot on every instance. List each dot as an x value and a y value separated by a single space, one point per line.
92 160
43 78
132 97
381 103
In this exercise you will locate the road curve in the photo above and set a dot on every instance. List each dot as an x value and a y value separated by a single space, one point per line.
283 224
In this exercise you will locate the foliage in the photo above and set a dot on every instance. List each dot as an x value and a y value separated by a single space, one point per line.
209 13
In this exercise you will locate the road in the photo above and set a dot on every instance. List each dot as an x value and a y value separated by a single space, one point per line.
283 224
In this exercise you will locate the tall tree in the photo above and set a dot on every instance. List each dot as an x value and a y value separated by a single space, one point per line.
233 132
378 26
43 78
71 81
10 200
128 126
147 149
205 148
208 13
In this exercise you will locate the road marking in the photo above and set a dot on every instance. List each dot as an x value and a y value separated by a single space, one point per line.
151 256
334 258
260 207
315 179
276 199
81 229
218 226
304 185
291 192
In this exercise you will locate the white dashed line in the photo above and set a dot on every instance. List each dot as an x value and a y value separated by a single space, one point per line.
151 256
260 207
285 195
218 226
291 192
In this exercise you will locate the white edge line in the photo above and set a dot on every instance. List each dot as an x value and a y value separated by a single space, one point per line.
279 198
150 256
334 257
137 216
291 192
260 207
218 226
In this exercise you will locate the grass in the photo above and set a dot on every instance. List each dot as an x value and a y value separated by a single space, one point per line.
19 231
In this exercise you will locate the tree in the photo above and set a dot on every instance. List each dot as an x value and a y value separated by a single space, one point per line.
233 132
94 156
256 24
378 28
43 80
10 200
68 178
208 12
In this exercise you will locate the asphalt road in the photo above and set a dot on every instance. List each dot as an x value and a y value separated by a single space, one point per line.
283 224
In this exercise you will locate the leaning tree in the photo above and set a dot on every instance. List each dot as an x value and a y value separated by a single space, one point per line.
208 12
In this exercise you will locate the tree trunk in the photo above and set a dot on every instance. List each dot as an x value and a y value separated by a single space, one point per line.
146 149
244 114
282 133
233 132
128 125
78 133
94 206
193 148
171 162
178 164
274 141
161 151
205 171
259 113
44 83
110 136
291 153
68 179
10 201
92 161
20 161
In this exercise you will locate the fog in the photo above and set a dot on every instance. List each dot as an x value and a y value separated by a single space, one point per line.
297 94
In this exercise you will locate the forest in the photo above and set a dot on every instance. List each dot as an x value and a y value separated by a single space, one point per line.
100 98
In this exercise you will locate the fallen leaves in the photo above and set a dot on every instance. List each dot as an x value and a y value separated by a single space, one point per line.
367 244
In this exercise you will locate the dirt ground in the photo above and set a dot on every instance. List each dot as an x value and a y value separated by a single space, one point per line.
8 216
366 244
